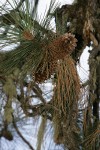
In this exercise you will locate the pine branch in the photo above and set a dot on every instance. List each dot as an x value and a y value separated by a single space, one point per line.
29 33
37 92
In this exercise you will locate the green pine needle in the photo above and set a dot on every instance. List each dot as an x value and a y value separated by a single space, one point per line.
23 34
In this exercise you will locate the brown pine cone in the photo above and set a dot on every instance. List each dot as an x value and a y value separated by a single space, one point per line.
62 46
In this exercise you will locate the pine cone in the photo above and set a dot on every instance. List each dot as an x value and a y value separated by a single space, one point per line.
62 46
42 73
27 35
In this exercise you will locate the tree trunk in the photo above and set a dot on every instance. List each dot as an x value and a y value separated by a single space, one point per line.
82 19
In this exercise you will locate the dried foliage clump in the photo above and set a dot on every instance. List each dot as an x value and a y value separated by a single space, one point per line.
65 99
67 87
92 139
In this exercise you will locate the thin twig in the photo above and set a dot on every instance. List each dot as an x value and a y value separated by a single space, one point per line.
19 5
21 136
37 91
85 84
